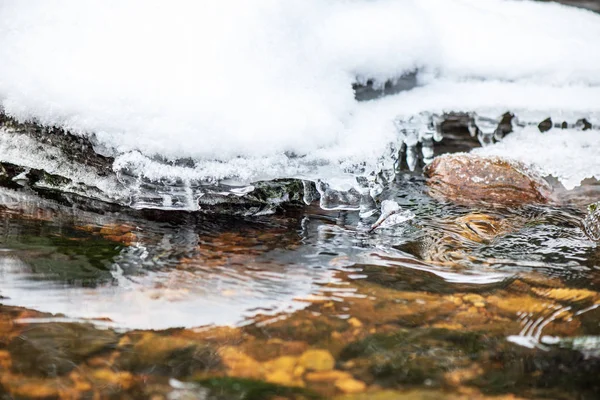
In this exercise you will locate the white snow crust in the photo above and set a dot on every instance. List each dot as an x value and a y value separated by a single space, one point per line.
236 84
569 154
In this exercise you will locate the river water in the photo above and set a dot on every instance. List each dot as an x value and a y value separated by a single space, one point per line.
459 302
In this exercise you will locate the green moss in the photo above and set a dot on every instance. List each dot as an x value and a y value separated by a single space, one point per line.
248 389
557 373
82 261
273 192
54 349
55 180
467 342
163 355
415 356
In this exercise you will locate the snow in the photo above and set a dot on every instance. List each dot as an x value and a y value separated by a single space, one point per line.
247 82
566 153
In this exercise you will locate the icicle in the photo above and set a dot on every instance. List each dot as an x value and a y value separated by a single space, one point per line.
337 199
310 192
484 128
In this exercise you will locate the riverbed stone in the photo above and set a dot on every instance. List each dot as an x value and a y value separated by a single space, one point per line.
349 385
225 388
53 349
413 357
317 360
469 178
165 355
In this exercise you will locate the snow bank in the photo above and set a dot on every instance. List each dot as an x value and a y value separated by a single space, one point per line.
233 79
568 154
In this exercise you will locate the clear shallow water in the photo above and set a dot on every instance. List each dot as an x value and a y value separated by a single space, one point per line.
482 311
458 302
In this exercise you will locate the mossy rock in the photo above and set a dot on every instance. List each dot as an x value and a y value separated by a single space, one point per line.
54 349
53 257
555 373
413 357
166 355
266 196
403 279
301 326
247 389
7 173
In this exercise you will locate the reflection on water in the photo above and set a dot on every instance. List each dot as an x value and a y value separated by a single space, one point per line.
462 302
189 272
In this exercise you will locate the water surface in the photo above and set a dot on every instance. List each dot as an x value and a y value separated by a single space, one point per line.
459 302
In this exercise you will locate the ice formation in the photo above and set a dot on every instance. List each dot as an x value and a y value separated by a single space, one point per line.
391 215
259 90
569 154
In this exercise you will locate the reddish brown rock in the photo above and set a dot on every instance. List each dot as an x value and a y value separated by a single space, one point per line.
472 178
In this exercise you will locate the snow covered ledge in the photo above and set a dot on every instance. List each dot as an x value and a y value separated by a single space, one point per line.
257 91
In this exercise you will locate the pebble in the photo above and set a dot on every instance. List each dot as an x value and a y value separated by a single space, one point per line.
317 360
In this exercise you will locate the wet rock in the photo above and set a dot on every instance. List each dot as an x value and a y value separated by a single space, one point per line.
264 350
449 241
511 305
247 389
555 373
77 147
116 380
402 279
265 197
53 349
301 326
165 355
240 364
22 387
350 385
284 370
415 356
71 152
470 178
481 228
567 294
327 376
5 361
83 262
283 378
355 322
423 394
9 171
317 360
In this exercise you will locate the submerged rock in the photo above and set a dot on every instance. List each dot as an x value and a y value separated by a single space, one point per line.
471 178
54 349
248 389
160 354
451 241
413 357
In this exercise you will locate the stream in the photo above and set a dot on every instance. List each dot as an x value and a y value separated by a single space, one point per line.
304 303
